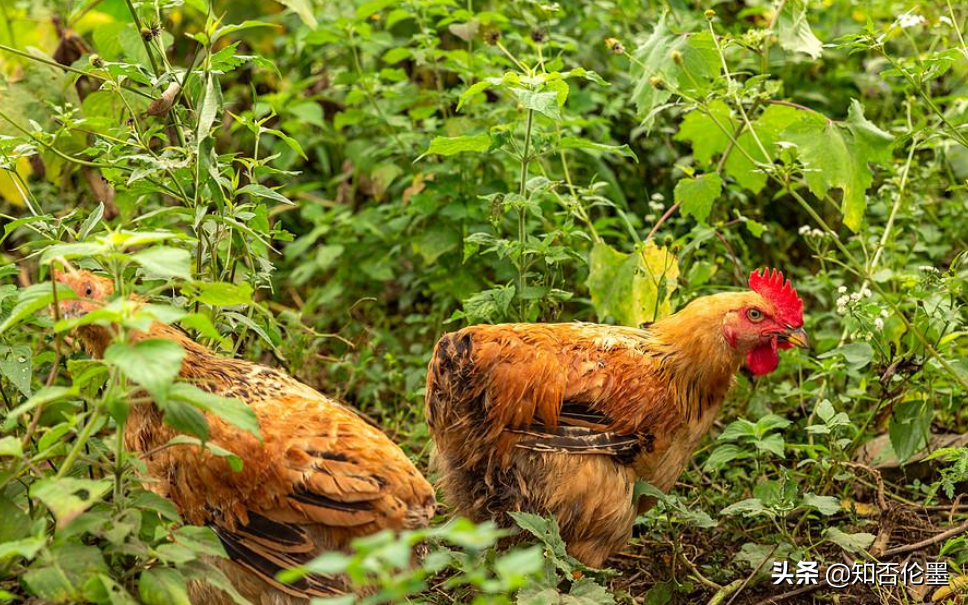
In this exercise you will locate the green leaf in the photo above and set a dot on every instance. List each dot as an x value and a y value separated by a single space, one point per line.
220 294
793 30
447 146
15 366
14 522
702 130
233 411
749 507
33 299
696 195
856 354
632 288
656 71
209 106
232 28
234 461
165 262
163 586
545 103
68 497
858 542
303 8
10 446
837 156
910 428
723 455
262 191
475 89
580 143
152 363
826 505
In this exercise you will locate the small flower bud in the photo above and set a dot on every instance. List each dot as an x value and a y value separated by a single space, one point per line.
146 34
96 61
615 46
537 36
676 56
656 82
520 107
710 13
491 36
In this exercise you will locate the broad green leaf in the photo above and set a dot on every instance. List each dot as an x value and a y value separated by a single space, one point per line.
33 299
14 522
152 363
436 241
545 103
209 105
858 542
220 294
632 288
793 30
64 578
232 411
475 89
68 497
750 151
78 250
232 28
165 262
163 586
447 146
826 505
704 131
837 156
749 507
910 427
42 397
656 72
723 455
580 143
697 194
15 366
10 446
856 354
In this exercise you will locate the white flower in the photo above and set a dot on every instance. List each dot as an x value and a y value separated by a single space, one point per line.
841 289
656 206
928 269
885 313
804 230
855 296
944 19
909 19
866 292
658 197
879 323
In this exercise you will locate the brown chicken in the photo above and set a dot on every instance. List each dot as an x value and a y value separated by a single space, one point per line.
321 477
561 419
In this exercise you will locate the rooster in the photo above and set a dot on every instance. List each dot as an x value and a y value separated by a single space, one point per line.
562 419
320 477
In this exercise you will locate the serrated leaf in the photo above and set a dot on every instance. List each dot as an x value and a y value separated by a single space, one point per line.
632 288
152 363
837 156
220 294
545 103
262 191
655 71
33 299
702 129
15 366
697 194
475 89
910 427
68 497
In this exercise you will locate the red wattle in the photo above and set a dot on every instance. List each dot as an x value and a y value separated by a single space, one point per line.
763 359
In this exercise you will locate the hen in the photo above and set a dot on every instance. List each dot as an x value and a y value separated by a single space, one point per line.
321 477
562 419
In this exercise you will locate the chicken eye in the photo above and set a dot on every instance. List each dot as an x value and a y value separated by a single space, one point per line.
89 291
754 314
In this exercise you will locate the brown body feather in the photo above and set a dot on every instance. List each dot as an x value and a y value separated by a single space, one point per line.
321 477
561 419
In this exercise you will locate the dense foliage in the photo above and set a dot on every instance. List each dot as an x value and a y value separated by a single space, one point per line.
328 186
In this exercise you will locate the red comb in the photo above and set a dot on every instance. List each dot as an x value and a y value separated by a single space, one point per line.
772 286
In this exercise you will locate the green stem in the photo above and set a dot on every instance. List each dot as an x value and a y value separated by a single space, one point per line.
51 63
79 444
522 211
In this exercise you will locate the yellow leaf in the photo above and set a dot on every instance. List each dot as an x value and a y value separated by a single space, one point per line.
9 188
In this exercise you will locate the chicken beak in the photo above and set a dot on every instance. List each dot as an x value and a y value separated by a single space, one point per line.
797 337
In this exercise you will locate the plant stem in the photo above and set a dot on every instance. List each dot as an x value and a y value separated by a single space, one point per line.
47 61
522 211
